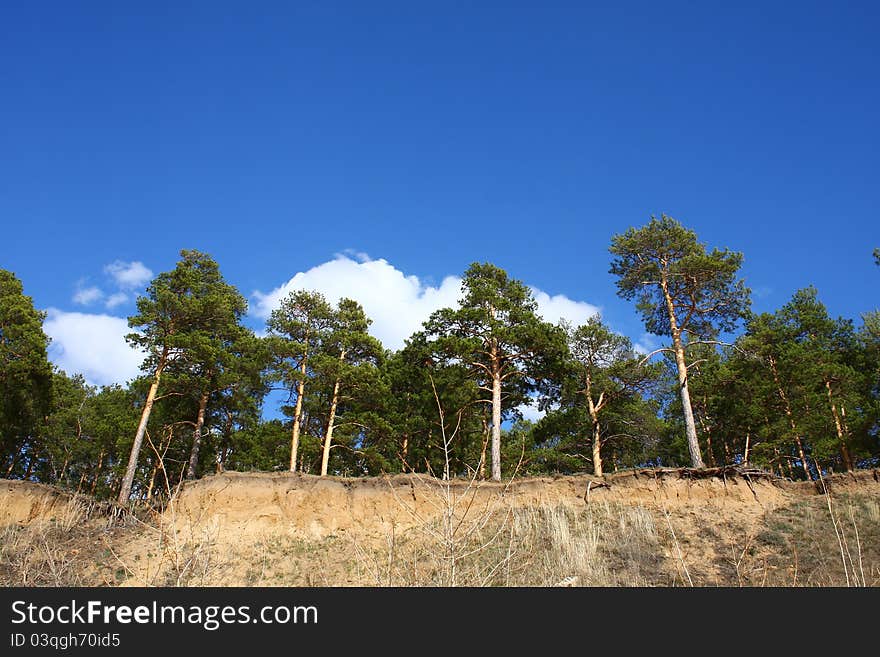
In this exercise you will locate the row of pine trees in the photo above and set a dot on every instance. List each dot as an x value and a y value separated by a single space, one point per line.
796 391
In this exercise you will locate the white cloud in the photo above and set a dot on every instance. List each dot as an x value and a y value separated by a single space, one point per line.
88 295
116 299
530 412
129 275
556 307
92 345
397 303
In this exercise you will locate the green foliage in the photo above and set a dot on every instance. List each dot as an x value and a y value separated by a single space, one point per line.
297 330
418 388
665 257
25 376
601 397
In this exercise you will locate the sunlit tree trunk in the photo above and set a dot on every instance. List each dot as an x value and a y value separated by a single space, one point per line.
787 408
97 473
152 483
197 437
594 409
297 411
13 463
128 478
704 425
404 452
681 365
485 446
328 435
841 434
32 461
496 414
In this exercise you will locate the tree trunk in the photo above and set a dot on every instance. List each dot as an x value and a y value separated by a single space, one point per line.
841 434
328 436
197 437
689 423
13 463
748 445
152 483
704 425
597 429
681 365
496 417
485 446
297 415
97 473
64 467
404 452
597 455
787 408
125 488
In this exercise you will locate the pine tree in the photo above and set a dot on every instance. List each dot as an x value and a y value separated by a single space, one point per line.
174 316
682 291
25 377
604 370
498 334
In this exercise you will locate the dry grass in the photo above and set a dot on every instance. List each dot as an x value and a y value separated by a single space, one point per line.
69 549
819 540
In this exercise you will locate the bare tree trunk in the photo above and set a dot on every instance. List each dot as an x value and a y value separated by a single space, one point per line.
125 488
13 463
710 455
404 452
597 429
152 483
64 467
787 408
485 446
841 434
328 436
597 442
681 365
748 445
197 437
689 423
97 473
297 414
32 460
496 416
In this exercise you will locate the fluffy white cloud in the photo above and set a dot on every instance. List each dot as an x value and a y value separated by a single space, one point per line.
397 303
88 295
116 299
92 345
531 412
559 306
129 275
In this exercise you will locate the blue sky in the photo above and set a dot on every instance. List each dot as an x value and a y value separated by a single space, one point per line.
430 135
